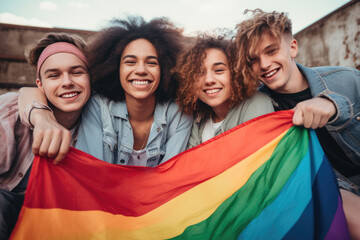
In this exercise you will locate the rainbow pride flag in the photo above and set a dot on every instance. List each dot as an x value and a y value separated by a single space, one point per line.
265 179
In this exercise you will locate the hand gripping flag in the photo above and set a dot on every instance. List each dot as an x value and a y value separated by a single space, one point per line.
265 179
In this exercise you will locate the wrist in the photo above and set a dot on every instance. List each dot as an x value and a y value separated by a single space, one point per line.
334 113
38 113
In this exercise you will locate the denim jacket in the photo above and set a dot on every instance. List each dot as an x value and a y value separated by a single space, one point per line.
341 85
106 133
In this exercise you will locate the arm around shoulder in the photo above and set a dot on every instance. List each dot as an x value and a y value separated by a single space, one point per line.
27 97
50 138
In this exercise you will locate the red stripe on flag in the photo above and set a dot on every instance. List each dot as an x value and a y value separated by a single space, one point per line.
57 188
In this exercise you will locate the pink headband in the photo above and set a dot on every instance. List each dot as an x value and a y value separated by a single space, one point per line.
59 47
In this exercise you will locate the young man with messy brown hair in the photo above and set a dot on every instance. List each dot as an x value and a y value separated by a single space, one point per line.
326 99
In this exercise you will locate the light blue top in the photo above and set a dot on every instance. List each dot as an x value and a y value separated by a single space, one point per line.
106 133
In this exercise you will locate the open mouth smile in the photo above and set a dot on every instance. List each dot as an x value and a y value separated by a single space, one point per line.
270 74
69 95
140 82
212 91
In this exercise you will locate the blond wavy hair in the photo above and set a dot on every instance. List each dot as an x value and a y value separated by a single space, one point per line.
248 36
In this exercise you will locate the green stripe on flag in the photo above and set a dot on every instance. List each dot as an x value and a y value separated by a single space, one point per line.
260 191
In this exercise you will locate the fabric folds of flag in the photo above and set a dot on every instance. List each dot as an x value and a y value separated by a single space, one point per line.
265 179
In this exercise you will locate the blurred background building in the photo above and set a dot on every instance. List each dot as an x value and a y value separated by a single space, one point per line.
333 40
15 72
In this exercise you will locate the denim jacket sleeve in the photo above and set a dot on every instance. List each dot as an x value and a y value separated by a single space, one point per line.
92 137
340 85
344 92
343 108
344 84
178 131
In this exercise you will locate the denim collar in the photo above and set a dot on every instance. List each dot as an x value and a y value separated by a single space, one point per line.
316 83
119 109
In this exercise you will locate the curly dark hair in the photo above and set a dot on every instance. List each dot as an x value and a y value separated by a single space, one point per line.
188 68
33 51
105 50
249 33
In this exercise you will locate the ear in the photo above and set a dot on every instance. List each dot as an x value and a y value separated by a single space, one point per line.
39 84
293 48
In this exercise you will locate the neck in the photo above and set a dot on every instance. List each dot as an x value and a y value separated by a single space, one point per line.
67 119
298 81
141 117
140 110
220 113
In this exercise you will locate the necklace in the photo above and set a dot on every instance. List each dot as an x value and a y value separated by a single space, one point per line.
145 141
141 128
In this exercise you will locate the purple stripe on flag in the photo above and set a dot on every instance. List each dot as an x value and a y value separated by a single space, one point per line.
338 228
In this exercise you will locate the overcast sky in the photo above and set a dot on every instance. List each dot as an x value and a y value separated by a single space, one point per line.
192 15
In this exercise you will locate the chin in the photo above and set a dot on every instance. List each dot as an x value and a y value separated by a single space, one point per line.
71 109
142 96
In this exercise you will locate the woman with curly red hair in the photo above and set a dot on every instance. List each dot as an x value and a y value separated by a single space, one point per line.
210 87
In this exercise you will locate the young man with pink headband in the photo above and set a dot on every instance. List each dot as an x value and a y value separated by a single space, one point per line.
62 74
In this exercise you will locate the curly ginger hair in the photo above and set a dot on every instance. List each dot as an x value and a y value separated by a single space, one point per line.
188 69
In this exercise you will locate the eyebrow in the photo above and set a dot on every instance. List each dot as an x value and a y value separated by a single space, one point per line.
271 46
148 57
72 68
219 63
257 53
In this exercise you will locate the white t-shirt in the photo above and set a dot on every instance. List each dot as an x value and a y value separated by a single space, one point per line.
138 158
210 129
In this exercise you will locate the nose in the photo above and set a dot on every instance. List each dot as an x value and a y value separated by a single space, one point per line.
265 62
141 69
67 80
209 78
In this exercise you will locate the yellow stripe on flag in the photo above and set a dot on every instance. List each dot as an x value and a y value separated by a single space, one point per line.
167 221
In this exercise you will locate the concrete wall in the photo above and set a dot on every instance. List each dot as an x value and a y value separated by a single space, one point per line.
15 72
333 40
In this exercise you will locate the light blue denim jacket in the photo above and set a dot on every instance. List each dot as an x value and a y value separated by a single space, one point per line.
106 133
340 85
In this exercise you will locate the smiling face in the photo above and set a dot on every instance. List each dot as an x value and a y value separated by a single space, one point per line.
214 83
275 63
65 82
139 70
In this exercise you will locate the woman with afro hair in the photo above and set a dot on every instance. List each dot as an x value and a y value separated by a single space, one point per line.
131 119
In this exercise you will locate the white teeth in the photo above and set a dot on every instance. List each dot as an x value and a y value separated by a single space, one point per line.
271 73
69 95
210 91
140 82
